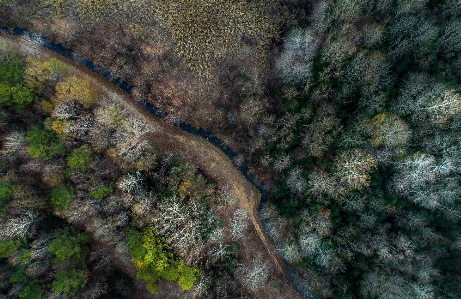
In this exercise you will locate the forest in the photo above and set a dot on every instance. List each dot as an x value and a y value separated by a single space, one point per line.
89 206
348 112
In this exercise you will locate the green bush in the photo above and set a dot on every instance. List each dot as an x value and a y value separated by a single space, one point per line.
70 245
31 291
13 93
25 256
43 144
5 191
11 72
19 276
60 197
153 260
187 276
101 192
8 247
21 96
79 159
69 282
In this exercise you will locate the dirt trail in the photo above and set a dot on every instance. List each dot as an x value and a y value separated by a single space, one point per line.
198 151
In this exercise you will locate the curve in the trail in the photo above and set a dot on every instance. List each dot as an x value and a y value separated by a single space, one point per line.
127 88
59 49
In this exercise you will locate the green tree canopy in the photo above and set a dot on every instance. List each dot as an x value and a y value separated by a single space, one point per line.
69 245
101 192
13 93
43 144
151 257
11 72
60 197
79 159
8 247
32 290
69 281
5 191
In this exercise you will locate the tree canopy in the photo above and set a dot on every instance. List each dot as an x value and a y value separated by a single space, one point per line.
151 257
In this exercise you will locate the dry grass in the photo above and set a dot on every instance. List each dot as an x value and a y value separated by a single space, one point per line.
207 31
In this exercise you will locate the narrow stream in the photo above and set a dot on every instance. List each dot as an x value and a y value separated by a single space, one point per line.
57 48
149 107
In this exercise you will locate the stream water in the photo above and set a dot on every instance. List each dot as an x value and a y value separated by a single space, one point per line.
57 48
149 107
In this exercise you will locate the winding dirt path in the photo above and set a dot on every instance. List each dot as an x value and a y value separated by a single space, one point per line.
197 151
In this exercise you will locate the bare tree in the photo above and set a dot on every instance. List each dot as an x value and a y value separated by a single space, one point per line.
239 224
254 275
19 225
295 62
353 168
295 180
131 183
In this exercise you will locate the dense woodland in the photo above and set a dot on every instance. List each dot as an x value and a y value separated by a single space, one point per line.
84 197
348 110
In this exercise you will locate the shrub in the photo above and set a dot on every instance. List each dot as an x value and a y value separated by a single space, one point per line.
21 96
187 276
5 191
94 10
101 192
8 247
31 291
60 197
251 109
13 93
7 50
69 282
11 72
25 256
69 245
55 69
19 276
39 72
43 144
79 159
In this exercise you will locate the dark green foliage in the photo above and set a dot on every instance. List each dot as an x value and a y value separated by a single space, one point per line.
43 144
69 282
8 247
21 96
16 97
60 197
79 159
19 276
5 191
25 256
11 72
13 93
403 64
32 290
101 192
69 245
